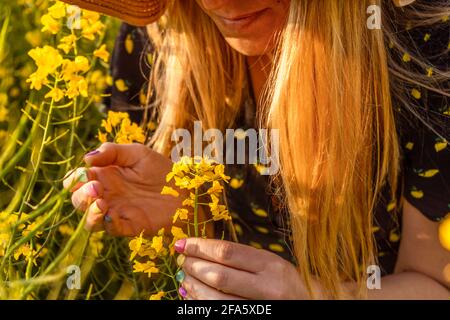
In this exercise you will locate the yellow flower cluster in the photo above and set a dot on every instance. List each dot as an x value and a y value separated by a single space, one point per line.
6 221
26 250
153 250
202 178
193 174
120 129
67 75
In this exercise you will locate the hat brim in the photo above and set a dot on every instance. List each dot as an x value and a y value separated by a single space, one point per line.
134 12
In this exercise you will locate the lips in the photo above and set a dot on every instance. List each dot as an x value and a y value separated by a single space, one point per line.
239 23
243 16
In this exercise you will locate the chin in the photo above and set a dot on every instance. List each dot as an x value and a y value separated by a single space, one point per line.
251 47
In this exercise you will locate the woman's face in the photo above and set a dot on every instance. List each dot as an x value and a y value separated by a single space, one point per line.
248 25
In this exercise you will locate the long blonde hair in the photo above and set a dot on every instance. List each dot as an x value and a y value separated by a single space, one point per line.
329 94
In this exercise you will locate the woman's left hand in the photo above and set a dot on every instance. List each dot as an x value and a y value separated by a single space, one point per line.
223 270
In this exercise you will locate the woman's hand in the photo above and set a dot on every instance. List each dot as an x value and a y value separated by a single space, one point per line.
121 190
216 269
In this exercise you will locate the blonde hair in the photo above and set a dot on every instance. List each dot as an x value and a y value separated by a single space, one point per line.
329 94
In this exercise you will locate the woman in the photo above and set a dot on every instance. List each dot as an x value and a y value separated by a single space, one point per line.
363 120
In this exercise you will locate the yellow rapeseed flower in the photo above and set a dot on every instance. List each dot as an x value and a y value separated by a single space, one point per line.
189 202
136 244
91 16
24 250
31 228
102 53
56 94
147 267
130 132
158 246
65 229
219 212
115 118
444 232
219 171
47 60
81 64
216 188
177 234
67 43
157 296
90 30
37 80
3 113
181 214
58 10
169 191
95 243
78 86
102 137
50 24
124 130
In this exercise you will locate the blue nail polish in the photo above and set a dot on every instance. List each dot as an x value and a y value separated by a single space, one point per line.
83 176
180 276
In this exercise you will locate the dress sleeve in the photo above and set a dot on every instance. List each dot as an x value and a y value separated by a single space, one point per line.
425 138
131 61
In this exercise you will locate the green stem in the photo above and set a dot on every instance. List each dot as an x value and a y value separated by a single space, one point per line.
196 213
34 175
11 146
61 256
4 170
172 276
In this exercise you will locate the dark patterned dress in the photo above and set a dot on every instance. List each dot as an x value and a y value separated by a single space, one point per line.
256 211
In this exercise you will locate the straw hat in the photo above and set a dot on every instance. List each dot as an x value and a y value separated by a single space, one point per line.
143 12
135 12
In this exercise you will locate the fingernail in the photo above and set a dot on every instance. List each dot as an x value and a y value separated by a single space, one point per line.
107 218
92 191
179 245
96 209
83 176
180 259
180 276
182 291
91 153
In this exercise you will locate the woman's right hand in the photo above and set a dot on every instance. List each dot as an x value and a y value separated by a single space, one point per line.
121 190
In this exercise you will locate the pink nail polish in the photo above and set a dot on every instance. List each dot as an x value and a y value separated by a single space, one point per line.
182 292
93 191
179 245
94 152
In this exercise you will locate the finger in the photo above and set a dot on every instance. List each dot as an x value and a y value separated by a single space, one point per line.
231 254
86 194
228 280
124 155
197 290
76 178
96 212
